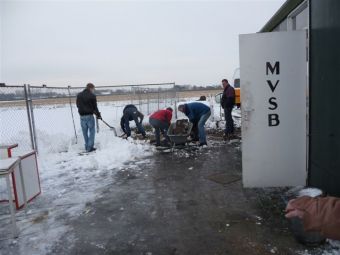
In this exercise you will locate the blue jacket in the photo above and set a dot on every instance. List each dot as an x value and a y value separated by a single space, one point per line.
194 111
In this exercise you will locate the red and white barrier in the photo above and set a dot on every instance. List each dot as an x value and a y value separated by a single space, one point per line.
30 177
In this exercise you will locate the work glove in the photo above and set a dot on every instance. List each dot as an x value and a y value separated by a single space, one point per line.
99 116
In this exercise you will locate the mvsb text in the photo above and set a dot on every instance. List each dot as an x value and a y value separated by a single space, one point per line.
273 118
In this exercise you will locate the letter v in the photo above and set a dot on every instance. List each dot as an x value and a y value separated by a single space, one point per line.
272 87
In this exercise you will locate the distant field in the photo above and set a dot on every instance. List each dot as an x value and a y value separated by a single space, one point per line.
110 98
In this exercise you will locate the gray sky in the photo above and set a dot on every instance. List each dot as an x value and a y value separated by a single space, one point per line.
62 43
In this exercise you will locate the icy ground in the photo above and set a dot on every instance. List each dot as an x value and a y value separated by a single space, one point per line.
69 181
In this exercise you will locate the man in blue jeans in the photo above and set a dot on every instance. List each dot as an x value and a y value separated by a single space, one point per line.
87 106
198 113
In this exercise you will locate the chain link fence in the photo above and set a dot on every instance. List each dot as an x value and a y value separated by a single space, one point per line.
46 118
15 118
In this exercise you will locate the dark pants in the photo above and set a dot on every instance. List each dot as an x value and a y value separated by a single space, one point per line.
229 122
131 114
160 127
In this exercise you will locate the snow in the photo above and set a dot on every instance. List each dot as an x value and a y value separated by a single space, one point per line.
310 192
300 191
332 248
69 181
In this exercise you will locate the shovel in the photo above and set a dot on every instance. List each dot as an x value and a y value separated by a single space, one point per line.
112 128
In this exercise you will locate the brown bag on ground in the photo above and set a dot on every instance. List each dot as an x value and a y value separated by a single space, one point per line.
320 214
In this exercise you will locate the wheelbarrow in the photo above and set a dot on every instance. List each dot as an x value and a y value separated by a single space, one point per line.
178 134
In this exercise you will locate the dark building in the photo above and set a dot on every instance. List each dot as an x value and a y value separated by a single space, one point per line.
321 19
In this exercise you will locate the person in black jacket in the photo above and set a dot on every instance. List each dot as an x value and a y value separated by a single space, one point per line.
130 112
87 106
228 103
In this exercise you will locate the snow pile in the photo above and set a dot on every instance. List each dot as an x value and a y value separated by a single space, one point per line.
70 177
70 180
332 247
335 245
310 192
300 191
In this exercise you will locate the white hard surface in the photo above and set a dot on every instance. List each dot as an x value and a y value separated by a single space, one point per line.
6 164
31 179
273 156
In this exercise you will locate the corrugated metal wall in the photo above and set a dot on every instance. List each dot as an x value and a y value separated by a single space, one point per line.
325 96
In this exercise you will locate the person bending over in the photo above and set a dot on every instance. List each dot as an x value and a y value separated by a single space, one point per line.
130 113
198 113
160 121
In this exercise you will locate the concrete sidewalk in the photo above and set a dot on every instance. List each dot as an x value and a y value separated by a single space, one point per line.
181 203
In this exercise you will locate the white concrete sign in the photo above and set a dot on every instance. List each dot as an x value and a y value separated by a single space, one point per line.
273 72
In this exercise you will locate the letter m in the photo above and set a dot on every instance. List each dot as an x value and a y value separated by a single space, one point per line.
272 69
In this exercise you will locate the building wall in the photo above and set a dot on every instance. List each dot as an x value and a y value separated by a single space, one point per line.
281 27
324 93
1 10
296 20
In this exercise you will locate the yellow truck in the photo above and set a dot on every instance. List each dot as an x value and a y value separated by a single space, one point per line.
237 92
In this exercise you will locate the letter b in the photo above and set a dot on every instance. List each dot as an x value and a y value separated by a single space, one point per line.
273 120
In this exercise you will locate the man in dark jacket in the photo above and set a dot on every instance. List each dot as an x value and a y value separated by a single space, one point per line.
198 113
161 121
87 106
130 112
227 103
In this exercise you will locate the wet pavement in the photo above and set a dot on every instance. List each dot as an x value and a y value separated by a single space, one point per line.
186 202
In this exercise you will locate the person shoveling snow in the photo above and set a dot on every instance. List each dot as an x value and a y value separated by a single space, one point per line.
87 106
130 113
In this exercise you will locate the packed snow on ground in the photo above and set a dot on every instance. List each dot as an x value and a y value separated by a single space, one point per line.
69 181
310 192
332 248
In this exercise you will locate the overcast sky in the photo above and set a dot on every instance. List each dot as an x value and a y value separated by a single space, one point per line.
61 43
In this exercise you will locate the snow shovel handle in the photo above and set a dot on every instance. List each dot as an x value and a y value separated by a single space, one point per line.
106 123
114 129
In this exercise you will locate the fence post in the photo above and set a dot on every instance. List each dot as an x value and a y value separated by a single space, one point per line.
175 109
71 108
32 117
29 117
148 98
158 98
176 99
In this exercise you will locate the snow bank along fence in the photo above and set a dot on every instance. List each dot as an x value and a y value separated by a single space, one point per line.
46 117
